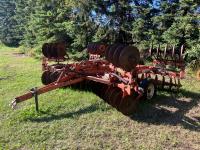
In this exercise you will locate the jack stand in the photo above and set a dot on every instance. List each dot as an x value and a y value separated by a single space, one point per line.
35 94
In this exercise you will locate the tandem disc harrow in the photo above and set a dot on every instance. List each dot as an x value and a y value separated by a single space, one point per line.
113 72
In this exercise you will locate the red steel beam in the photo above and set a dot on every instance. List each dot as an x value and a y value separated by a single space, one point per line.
44 89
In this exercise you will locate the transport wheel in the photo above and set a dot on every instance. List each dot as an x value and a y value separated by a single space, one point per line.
128 105
149 90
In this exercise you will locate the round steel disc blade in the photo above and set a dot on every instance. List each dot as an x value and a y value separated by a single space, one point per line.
55 50
107 51
102 90
45 48
101 49
129 58
128 105
117 54
51 50
95 47
61 50
106 94
54 76
89 47
91 86
81 85
111 52
97 88
110 95
46 78
116 98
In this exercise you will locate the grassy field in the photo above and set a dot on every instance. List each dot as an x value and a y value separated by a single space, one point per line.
71 119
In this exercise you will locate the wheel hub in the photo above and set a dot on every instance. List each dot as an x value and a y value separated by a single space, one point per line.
150 91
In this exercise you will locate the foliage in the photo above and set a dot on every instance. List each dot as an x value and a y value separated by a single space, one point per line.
142 23
9 34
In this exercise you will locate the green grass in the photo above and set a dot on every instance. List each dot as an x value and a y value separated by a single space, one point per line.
70 119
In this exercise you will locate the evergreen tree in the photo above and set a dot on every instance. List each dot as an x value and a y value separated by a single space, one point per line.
50 21
118 16
24 12
9 33
84 26
34 22
143 29
184 29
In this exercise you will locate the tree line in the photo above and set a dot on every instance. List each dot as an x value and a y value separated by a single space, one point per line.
31 23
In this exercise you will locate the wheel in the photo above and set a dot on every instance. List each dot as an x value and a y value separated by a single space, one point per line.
149 88
150 91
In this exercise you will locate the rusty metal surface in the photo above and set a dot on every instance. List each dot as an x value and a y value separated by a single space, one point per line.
116 78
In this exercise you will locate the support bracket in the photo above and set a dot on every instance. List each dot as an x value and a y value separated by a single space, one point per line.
34 91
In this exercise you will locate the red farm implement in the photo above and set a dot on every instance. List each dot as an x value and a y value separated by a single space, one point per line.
113 72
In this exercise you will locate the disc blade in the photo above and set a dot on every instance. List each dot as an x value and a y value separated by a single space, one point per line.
129 58
111 52
117 54
128 105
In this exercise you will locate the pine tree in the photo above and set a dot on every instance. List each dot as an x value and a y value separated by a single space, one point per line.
117 15
24 12
9 33
84 26
143 28
184 29
49 21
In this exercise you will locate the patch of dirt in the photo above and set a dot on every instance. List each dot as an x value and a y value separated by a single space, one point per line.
19 54
173 111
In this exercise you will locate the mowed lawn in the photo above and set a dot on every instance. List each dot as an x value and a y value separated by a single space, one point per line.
70 119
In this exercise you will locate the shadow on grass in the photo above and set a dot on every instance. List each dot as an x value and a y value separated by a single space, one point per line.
169 110
164 110
52 117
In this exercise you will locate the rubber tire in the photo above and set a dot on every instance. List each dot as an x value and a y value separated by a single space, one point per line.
150 82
